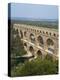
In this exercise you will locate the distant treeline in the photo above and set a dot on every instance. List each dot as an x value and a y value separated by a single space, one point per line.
48 24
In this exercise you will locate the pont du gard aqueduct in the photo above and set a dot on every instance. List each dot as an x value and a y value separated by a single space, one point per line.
38 41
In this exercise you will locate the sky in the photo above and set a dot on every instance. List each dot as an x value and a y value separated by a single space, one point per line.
19 10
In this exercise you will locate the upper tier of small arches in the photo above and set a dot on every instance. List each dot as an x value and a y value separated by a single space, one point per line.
44 31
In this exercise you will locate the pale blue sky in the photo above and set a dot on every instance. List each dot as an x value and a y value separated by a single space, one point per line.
34 11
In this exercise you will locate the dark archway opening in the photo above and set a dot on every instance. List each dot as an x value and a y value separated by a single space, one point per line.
31 50
25 44
32 38
25 33
40 40
50 45
50 42
39 53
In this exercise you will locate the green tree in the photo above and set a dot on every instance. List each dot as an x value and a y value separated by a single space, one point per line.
36 67
17 48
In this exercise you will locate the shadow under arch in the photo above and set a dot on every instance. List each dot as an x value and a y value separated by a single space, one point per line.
25 33
25 44
32 38
50 42
39 54
50 45
40 40
31 49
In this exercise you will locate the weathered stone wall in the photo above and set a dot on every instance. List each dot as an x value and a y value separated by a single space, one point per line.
34 47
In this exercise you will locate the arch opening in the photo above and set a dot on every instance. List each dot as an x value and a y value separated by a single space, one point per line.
47 33
25 44
50 45
31 50
25 33
43 32
40 40
50 34
39 53
54 35
50 42
32 38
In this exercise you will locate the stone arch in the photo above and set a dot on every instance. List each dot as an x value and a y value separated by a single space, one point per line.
40 40
40 31
31 49
25 44
21 34
50 45
47 33
39 53
54 35
35 30
32 38
43 32
50 41
50 33
25 33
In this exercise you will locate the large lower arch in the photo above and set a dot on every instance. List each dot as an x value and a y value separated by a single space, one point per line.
21 34
32 38
50 42
39 53
25 44
50 45
40 41
25 33
31 49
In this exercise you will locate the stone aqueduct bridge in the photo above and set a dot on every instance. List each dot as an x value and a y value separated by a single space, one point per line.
38 41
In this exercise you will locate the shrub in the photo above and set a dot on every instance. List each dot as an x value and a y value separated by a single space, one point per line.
36 67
